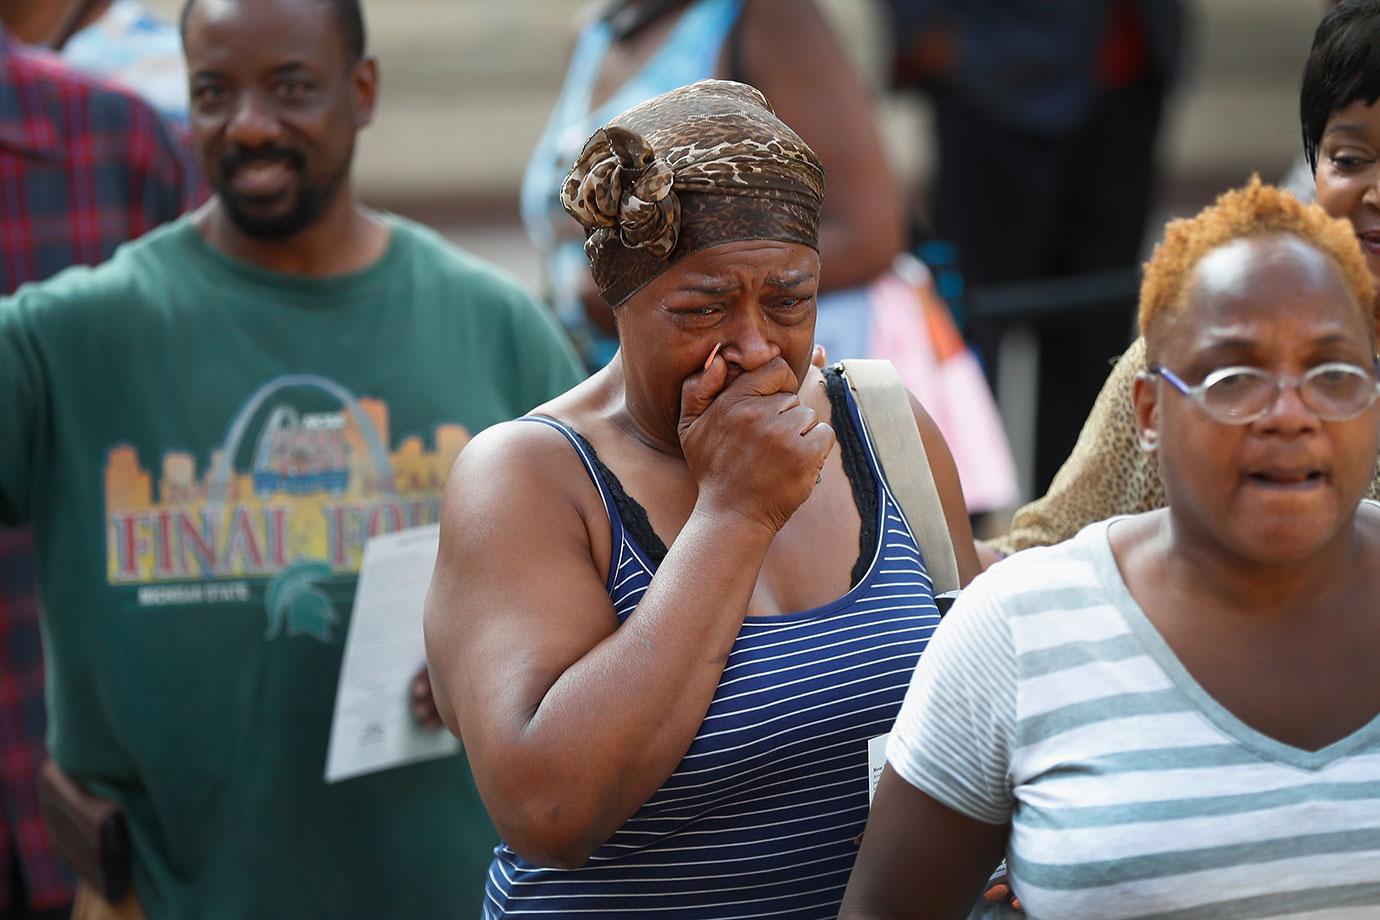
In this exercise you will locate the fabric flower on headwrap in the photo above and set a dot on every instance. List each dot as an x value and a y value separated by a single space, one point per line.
704 164
619 182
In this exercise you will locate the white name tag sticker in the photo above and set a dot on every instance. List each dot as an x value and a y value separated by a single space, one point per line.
876 759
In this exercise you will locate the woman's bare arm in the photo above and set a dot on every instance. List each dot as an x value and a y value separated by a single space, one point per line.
920 860
951 499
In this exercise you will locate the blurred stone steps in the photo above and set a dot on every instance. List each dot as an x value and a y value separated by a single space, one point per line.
468 85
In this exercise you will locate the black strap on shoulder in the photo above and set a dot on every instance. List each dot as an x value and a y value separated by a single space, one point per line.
856 468
635 521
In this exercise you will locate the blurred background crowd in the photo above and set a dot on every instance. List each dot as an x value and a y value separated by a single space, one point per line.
468 86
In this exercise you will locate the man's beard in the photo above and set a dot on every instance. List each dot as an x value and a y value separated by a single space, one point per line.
308 202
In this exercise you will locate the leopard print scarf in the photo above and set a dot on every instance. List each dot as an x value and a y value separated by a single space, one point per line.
704 164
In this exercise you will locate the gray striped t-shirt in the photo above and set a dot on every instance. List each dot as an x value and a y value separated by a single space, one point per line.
1047 699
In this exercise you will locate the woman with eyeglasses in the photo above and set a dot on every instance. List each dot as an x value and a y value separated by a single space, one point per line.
1177 713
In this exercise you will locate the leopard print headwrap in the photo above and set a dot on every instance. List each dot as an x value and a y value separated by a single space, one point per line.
704 164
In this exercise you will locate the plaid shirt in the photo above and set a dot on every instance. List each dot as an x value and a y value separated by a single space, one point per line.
83 168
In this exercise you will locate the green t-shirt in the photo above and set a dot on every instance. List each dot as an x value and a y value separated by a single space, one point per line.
203 448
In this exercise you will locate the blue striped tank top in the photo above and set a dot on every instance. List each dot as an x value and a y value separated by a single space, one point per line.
762 816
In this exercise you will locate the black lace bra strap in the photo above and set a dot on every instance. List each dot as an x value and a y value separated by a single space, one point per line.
857 469
635 521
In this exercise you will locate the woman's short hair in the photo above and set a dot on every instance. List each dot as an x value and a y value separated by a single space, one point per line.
1255 210
1343 66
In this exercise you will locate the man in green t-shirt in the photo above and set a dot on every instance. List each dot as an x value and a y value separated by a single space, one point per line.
204 432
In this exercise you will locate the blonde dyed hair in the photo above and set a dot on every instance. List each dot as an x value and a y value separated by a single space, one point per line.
1255 210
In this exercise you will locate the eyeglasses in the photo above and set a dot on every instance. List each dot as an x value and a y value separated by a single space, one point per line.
1335 391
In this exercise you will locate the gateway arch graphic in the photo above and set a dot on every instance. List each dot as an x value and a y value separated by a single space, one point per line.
296 600
223 470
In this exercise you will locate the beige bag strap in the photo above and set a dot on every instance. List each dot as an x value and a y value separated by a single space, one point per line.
885 407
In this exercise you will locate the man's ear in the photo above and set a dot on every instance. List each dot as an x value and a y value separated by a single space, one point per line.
364 80
1145 399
